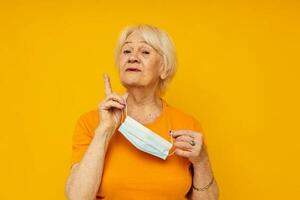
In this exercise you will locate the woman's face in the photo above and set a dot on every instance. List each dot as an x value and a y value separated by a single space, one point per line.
139 64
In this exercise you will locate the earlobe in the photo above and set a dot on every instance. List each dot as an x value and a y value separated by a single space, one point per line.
163 75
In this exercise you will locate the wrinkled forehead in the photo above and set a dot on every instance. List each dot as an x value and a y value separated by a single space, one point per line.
139 42
139 38
135 35
135 38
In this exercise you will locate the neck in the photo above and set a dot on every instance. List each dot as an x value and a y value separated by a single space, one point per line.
143 102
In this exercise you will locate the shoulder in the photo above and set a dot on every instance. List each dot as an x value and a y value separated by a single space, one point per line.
179 113
183 118
88 120
89 116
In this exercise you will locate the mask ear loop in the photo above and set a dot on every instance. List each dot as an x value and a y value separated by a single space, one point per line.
126 109
172 141
123 118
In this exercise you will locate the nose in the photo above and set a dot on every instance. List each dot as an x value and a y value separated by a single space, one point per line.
133 58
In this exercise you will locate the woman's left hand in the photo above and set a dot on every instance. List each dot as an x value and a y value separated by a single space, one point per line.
188 144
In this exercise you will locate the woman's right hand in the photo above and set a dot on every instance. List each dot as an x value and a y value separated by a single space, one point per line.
111 108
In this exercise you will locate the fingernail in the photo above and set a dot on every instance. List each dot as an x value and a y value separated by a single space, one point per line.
170 132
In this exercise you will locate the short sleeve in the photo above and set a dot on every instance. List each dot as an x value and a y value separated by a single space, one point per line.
81 140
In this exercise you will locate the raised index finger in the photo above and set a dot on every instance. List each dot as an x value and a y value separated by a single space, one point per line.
107 85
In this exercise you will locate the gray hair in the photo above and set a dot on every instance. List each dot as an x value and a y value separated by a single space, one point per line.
157 39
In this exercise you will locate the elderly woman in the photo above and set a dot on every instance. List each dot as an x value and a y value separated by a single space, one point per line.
136 145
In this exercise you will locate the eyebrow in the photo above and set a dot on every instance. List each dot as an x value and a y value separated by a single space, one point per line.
142 41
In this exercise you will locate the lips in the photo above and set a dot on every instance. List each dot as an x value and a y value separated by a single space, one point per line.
133 69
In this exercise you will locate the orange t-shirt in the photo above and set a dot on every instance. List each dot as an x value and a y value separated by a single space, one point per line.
131 174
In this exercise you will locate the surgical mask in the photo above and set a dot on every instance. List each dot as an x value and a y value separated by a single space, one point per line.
145 139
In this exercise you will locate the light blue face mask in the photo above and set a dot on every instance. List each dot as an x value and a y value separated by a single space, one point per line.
144 139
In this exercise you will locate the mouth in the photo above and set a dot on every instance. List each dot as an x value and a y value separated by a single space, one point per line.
133 69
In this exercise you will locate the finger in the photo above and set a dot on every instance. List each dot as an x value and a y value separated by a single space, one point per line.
184 138
116 97
187 139
183 153
107 85
183 145
176 133
112 104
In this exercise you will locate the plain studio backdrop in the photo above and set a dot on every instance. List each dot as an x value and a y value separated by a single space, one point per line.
238 65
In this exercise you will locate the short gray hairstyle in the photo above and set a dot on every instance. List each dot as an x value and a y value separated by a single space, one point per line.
157 39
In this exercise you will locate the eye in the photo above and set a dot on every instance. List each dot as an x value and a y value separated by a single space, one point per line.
126 51
146 52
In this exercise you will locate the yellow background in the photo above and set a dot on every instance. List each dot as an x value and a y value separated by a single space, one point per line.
237 73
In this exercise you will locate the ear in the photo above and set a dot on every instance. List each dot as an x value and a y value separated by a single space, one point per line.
163 75
163 71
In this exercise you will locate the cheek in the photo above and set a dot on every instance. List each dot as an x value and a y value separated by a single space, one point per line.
122 59
152 66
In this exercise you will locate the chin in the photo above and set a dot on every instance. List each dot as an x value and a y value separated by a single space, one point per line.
130 83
